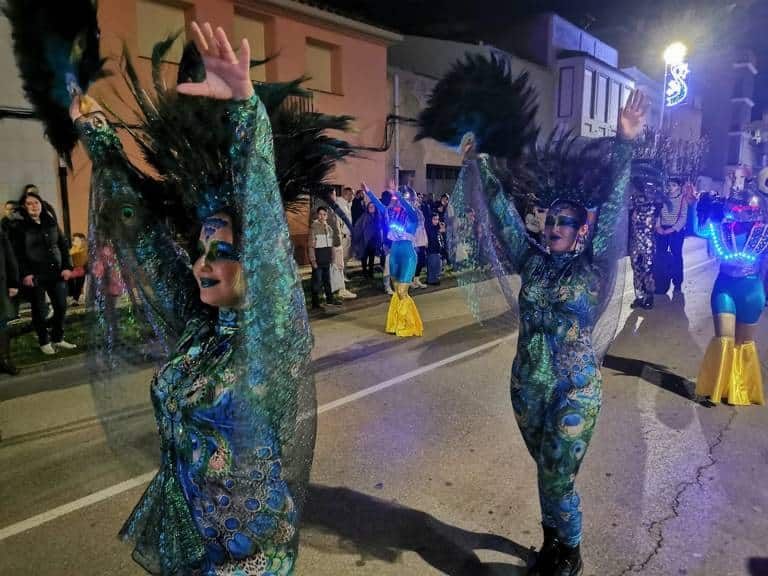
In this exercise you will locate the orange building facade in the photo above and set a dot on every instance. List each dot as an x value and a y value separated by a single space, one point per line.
346 61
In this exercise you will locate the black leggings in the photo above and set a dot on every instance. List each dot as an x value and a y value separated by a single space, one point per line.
57 292
421 259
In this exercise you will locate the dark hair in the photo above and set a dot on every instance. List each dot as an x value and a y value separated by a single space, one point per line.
26 195
581 212
321 208
28 186
444 196
12 202
78 235
676 179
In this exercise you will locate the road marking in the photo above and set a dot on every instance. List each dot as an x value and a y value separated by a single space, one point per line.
112 491
107 493
94 498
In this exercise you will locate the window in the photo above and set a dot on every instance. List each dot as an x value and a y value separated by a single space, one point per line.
441 180
734 149
565 93
613 103
601 100
156 21
322 66
254 30
589 85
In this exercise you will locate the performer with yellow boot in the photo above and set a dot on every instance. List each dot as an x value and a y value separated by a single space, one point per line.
402 219
730 370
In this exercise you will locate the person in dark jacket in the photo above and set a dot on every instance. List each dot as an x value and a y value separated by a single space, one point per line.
435 249
9 287
42 252
367 239
358 206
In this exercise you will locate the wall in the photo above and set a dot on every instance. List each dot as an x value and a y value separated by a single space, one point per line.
27 156
362 94
579 92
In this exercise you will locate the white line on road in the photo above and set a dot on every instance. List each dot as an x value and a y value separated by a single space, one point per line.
108 493
54 513
112 491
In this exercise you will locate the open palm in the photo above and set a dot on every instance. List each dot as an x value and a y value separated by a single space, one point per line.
632 118
227 75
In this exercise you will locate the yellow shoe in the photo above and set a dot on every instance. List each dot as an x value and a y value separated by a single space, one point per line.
403 317
746 385
716 369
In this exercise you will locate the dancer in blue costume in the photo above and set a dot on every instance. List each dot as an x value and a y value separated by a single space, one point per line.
234 403
556 382
402 219
730 369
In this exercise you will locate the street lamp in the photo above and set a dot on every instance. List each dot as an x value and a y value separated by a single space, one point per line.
675 76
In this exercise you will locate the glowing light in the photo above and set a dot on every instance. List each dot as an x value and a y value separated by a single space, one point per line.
723 253
676 74
675 53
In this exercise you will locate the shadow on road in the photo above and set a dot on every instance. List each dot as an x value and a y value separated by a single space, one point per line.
374 528
652 373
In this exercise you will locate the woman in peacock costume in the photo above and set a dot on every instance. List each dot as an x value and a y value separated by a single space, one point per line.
556 381
730 369
234 398
402 220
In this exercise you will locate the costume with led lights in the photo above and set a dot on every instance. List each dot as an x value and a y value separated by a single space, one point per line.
556 381
402 220
233 395
730 369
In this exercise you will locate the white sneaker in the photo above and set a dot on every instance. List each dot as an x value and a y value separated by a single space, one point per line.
347 295
389 291
64 345
47 349
417 283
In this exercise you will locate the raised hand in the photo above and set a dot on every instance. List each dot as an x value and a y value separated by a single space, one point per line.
632 117
227 75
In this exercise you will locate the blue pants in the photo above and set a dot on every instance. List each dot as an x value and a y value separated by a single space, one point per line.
743 297
402 261
434 268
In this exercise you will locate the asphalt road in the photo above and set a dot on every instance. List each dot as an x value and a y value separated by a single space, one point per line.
419 466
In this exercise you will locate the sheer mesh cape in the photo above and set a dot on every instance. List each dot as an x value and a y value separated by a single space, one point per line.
482 243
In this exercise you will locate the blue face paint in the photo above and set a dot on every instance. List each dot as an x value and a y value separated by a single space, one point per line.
562 220
218 250
212 225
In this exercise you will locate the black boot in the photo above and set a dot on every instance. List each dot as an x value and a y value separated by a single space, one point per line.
547 555
6 366
568 561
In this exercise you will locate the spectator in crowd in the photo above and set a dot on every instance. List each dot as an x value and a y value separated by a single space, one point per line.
367 238
9 288
445 213
45 266
8 209
358 206
79 255
340 223
321 245
420 240
670 235
435 250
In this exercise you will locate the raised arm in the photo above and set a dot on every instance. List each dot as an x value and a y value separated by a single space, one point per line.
149 258
607 243
409 209
376 202
511 227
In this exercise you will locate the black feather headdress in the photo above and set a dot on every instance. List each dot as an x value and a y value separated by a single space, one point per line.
187 139
479 95
56 45
565 168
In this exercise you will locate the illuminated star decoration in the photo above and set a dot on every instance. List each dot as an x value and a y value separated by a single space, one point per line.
677 86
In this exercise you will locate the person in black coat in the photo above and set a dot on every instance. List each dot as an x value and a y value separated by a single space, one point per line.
9 287
42 252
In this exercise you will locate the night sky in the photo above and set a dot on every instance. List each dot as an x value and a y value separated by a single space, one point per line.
638 29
